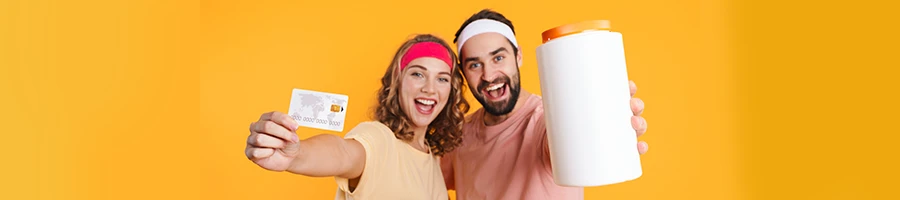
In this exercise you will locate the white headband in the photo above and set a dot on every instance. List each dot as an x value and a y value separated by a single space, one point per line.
485 26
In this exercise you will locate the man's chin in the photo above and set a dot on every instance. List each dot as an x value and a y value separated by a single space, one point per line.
497 108
500 107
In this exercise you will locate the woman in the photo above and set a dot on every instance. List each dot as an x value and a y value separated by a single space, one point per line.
419 117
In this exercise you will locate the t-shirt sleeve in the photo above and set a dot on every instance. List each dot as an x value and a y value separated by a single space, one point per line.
377 140
540 127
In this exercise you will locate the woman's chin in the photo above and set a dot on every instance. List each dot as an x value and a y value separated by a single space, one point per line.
422 122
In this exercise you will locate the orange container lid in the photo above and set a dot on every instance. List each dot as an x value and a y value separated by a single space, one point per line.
574 28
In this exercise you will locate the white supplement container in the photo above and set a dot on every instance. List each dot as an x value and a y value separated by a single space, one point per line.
587 107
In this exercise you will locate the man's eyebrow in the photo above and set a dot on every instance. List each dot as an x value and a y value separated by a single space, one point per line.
469 59
495 52
492 53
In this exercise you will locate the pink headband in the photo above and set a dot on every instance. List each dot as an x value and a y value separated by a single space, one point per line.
426 49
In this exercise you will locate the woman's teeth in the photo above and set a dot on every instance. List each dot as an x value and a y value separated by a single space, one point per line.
425 102
425 106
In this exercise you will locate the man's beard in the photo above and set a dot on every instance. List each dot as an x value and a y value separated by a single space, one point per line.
504 106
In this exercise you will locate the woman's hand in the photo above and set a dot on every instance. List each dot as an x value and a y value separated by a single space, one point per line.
272 143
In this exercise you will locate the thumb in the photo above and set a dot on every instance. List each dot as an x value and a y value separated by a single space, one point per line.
291 149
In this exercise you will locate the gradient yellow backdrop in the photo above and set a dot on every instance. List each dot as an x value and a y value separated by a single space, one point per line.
152 99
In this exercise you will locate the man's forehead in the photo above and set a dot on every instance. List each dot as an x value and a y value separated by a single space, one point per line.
483 44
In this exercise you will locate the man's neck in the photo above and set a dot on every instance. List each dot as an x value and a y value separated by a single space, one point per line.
490 120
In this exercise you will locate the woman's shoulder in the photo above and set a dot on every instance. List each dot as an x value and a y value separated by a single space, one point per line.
372 125
371 130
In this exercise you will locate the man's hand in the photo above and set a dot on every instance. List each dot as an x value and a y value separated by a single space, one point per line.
272 143
638 122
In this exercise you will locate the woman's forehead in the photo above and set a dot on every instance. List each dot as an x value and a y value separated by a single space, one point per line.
430 64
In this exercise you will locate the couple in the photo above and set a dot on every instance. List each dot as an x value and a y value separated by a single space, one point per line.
421 144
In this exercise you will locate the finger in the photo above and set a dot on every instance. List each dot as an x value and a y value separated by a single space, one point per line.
280 119
267 116
258 153
642 147
247 152
632 87
286 121
264 140
254 153
637 106
639 125
273 129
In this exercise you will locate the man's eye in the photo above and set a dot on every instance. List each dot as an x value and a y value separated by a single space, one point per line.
498 58
475 65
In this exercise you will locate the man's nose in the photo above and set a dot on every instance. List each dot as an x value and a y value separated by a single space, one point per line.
491 72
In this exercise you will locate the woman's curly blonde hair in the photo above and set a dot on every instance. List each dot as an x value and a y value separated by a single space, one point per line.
444 133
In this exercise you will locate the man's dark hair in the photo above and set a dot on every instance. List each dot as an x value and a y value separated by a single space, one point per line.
492 15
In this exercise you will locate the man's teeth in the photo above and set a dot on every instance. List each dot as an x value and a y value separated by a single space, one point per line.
498 86
426 102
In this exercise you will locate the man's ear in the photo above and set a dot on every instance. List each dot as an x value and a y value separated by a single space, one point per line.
519 57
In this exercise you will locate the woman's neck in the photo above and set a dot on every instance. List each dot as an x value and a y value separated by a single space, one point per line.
418 140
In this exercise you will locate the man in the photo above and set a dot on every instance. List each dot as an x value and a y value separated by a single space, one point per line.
504 153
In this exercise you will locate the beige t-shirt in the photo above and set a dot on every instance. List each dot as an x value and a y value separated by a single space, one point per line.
394 169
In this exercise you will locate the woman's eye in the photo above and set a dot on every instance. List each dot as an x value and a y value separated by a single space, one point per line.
417 74
444 79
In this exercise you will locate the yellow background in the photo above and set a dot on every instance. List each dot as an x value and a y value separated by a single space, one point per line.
152 99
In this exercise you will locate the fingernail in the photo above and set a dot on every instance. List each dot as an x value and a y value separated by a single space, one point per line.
295 138
640 103
642 146
293 123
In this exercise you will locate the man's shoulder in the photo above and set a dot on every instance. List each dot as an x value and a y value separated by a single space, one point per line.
540 104
536 115
472 119
537 108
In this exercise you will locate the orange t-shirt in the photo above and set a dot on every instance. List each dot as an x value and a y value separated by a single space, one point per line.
509 160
